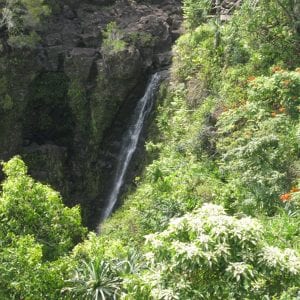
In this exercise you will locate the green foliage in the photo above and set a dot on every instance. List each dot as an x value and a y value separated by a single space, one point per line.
23 254
227 135
193 50
103 267
94 280
196 11
31 208
265 32
174 183
258 142
282 230
281 90
25 275
142 39
112 39
36 231
22 18
210 255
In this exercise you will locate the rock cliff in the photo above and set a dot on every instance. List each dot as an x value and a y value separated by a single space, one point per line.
61 99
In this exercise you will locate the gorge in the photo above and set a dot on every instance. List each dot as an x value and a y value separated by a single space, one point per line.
149 149
74 92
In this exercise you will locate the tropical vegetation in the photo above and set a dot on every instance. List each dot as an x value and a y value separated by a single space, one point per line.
216 212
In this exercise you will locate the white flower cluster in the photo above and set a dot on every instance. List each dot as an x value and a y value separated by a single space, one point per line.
286 260
207 234
208 242
239 269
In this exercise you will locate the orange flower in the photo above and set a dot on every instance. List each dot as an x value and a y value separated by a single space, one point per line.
294 190
286 82
285 197
273 114
251 78
224 109
276 69
281 109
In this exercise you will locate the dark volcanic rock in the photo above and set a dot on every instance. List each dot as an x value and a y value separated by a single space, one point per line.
79 62
61 99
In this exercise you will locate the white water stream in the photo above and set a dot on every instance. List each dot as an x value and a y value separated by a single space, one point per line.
130 142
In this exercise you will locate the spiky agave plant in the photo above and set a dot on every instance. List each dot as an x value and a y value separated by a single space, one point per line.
95 280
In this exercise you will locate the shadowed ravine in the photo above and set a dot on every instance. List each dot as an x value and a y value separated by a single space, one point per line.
130 142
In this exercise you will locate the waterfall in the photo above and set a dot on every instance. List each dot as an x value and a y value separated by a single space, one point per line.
130 142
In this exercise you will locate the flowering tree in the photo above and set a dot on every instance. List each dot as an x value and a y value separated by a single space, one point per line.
211 255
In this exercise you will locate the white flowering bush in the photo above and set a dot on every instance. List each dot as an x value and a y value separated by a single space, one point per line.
208 254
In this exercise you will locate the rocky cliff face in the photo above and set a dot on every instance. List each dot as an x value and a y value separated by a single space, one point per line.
59 101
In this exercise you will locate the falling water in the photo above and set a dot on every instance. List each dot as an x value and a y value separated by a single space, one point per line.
130 142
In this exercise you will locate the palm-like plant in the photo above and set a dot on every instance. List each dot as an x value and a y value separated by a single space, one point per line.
95 280
133 264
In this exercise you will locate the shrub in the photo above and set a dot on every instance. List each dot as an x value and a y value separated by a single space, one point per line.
210 255
258 141
195 11
96 279
112 42
36 232
31 208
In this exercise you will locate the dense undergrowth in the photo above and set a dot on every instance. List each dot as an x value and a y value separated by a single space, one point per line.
216 213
